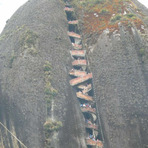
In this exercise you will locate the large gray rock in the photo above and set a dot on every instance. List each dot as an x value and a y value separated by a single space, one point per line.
120 81
121 88
22 104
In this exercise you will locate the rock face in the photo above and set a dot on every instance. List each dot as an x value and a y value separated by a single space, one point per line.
120 81
121 86
37 33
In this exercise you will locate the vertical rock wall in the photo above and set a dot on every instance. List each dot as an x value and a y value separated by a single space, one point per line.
121 88
37 33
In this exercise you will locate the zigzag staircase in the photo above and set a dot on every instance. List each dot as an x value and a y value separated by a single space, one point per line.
82 82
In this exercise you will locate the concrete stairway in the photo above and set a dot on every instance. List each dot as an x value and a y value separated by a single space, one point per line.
82 82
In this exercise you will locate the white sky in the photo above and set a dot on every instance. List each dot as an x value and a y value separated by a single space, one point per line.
8 7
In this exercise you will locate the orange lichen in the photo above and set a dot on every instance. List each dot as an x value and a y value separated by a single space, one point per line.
97 18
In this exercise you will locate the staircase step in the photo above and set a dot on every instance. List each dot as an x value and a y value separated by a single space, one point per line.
83 96
78 53
79 63
85 89
76 46
94 143
73 34
69 9
91 126
75 22
77 73
88 109
80 80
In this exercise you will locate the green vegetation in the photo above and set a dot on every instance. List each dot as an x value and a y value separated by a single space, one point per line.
29 38
2 37
11 32
142 52
87 3
146 19
129 24
130 15
32 51
12 59
50 92
119 17
47 66
104 11
29 41
116 18
50 126
109 13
